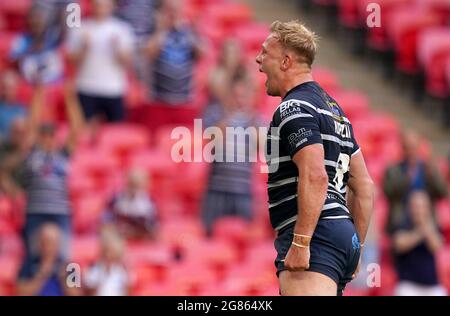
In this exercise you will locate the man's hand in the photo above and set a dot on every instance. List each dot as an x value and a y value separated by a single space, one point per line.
297 258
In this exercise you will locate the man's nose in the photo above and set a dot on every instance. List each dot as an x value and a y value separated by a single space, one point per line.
258 58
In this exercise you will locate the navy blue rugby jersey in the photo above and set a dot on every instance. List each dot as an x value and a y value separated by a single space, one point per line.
306 116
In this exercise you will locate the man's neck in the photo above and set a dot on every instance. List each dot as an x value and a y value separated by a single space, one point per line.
296 80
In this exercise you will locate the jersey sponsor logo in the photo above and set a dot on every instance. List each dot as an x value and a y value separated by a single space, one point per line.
289 107
297 138
342 130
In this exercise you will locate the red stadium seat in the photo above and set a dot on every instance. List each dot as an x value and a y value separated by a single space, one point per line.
6 43
348 13
87 212
85 250
181 232
122 140
354 103
377 37
231 229
443 257
440 7
250 278
9 268
251 36
327 79
191 277
229 14
148 261
403 27
100 166
14 13
214 253
433 54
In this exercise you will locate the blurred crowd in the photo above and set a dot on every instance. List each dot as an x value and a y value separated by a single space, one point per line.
149 46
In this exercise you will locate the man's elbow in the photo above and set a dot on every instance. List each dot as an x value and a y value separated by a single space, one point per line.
318 178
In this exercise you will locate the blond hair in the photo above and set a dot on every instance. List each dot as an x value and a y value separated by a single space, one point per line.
295 36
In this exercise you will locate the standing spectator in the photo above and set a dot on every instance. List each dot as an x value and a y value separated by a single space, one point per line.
43 174
13 151
415 243
411 174
109 276
229 64
229 189
37 51
102 50
140 14
10 108
45 274
133 211
172 50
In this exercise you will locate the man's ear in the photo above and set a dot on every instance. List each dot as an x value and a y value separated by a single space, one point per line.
286 62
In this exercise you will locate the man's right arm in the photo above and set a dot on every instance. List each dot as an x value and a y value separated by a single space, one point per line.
361 195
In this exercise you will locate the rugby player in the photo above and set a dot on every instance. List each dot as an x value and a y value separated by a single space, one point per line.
320 193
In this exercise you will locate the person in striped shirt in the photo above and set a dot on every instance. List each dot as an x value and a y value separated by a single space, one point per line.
320 193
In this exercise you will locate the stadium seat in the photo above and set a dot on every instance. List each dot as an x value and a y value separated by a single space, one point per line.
403 27
148 261
433 54
85 250
9 268
191 277
443 258
228 14
14 13
354 103
251 36
216 254
348 13
440 7
122 140
327 79
6 43
231 229
88 211
181 232
377 37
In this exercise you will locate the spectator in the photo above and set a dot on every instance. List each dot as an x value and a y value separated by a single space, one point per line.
13 151
229 190
415 243
411 174
101 48
133 211
10 108
140 14
109 277
36 51
230 63
172 50
43 174
45 274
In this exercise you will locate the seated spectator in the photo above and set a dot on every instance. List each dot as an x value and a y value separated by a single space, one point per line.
109 276
43 173
102 50
10 108
172 50
229 189
132 211
45 274
415 244
36 51
413 173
